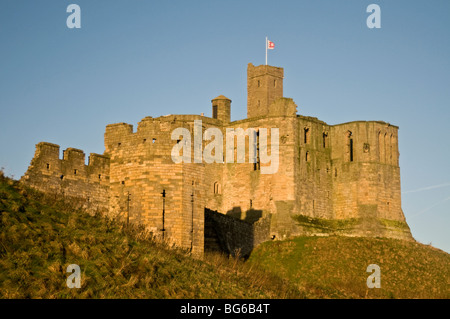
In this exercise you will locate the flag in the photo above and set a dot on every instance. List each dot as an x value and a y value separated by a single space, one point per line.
270 45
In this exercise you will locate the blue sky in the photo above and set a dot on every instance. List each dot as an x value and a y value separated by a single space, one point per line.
132 59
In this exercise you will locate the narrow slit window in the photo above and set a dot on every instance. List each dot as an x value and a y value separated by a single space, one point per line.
257 165
351 149
325 139
306 139
214 111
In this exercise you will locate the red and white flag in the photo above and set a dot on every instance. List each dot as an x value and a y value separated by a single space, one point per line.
270 45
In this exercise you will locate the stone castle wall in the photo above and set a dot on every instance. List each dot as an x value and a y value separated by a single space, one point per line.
331 179
69 177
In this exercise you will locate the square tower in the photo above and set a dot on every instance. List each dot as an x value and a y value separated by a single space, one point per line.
264 85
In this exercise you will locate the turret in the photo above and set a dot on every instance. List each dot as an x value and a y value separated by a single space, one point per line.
221 108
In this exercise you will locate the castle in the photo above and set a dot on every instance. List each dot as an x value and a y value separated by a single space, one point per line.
331 179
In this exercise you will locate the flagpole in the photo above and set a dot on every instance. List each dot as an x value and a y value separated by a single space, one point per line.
266 50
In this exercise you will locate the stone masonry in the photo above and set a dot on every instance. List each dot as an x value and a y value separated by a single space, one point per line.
332 179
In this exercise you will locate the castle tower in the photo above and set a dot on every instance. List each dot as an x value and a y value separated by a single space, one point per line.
221 108
264 85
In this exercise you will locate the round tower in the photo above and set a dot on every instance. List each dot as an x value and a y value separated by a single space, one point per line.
221 108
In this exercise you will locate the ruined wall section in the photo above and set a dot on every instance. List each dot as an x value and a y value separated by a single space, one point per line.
87 185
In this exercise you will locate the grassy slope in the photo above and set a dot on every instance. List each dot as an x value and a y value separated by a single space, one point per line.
38 241
40 237
335 267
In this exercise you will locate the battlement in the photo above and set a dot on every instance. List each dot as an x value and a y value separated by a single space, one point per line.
46 161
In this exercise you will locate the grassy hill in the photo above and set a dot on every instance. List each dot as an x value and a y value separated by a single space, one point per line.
335 267
40 236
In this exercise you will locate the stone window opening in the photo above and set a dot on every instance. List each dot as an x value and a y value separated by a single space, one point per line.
306 135
99 177
274 83
217 189
325 139
259 83
75 172
48 166
62 177
307 156
351 149
257 165
350 146
214 111
153 140
118 144
251 203
144 140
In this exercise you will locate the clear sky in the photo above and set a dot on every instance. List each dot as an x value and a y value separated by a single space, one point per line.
132 59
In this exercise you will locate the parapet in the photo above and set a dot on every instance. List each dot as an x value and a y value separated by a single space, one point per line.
74 155
47 149
46 162
119 128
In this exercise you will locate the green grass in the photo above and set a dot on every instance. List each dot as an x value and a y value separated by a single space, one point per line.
326 225
335 267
